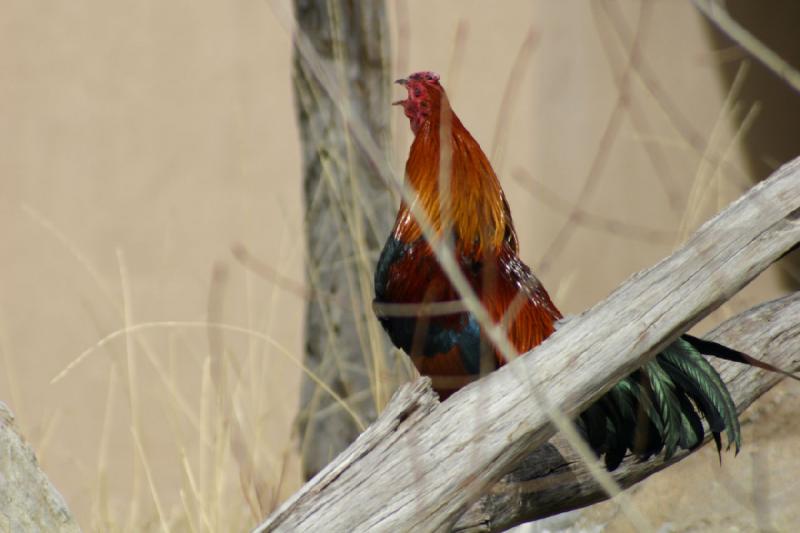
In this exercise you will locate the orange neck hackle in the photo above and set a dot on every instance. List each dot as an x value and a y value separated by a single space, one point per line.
477 214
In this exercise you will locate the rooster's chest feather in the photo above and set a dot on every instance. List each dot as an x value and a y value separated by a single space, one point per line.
409 273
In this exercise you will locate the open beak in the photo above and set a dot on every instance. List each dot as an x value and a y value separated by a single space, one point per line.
404 83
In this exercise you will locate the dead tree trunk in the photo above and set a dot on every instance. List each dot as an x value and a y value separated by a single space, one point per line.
423 464
348 215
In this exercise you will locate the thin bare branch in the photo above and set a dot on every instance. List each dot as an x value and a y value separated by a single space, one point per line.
717 14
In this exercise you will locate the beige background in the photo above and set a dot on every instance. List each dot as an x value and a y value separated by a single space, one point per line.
139 141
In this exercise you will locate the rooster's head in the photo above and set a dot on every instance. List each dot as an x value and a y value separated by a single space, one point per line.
424 97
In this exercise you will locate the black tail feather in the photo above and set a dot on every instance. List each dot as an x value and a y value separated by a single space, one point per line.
715 419
729 354
693 430
659 406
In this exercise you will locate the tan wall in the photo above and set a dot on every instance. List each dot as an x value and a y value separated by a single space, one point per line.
161 133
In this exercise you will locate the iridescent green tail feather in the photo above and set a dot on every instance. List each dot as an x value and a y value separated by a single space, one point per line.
659 406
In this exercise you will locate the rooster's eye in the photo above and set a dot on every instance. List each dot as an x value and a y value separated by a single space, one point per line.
417 93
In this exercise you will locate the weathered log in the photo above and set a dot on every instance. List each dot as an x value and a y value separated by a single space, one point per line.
422 464
553 479
28 501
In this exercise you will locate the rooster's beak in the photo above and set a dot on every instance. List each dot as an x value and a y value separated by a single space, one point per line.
404 83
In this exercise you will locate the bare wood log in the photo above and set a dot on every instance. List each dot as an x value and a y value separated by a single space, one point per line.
348 212
28 501
423 464
553 480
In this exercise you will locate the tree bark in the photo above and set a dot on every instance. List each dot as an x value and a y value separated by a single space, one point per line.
348 215
422 464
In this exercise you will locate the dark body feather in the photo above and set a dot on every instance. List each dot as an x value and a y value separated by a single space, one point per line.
656 408
450 347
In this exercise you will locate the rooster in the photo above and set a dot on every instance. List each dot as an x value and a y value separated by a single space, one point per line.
657 407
